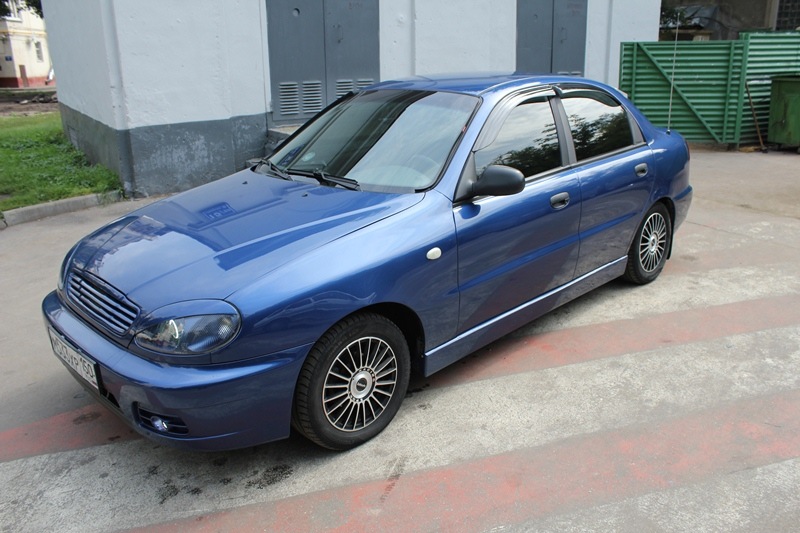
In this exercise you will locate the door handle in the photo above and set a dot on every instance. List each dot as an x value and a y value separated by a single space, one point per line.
560 200
641 170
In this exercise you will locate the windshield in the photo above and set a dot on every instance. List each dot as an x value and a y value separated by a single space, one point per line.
389 140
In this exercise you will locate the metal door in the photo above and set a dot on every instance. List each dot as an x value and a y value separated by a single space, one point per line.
569 37
534 35
296 57
319 51
551 36
352 59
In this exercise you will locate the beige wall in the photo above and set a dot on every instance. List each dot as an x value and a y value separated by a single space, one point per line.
19 38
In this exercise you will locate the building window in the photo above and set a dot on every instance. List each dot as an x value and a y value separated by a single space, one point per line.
13 8
788 15
39 53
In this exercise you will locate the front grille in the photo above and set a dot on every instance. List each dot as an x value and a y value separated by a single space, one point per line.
111 311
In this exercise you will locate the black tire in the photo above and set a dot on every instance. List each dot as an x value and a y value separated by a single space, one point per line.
650 246
352 383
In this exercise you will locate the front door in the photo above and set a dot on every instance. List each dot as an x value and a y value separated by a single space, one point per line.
512 249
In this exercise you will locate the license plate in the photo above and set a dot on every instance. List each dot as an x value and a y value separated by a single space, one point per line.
84 366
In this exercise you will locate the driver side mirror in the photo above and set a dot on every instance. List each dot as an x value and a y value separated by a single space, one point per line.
498 180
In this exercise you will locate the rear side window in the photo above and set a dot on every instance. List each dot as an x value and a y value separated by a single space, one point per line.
599 123
527 141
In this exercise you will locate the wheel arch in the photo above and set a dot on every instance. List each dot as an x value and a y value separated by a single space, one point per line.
409 323
670 205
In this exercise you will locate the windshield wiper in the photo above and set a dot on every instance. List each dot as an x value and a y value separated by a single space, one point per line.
347 183
328 179
275 169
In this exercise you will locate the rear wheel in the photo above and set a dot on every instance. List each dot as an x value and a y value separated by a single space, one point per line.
353 382
649 249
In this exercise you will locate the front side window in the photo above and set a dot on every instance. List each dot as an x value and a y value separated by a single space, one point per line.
387 140
599 124
527 141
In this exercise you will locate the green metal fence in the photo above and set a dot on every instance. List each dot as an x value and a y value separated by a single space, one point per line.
710 99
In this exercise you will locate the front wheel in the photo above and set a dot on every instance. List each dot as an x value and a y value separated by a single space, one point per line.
650 247
353 382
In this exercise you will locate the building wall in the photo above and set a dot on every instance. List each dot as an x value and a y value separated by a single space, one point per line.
421 37
171 94
169 97
85 62
18 39
612 22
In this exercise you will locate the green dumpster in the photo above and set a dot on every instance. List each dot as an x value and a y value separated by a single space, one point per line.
784 111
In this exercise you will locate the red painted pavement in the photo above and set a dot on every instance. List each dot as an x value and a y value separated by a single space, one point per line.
92 425
597 341
95 425
526 484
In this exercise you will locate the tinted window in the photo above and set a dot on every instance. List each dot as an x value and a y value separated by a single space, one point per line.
527 141
599 124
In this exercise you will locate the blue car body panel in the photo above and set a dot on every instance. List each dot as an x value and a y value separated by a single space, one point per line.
221 246
294 258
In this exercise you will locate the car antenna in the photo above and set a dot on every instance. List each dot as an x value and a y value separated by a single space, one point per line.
672 75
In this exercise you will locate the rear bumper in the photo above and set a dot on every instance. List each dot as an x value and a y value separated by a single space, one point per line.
220 406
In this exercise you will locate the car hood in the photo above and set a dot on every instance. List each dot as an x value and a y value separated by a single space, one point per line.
211 241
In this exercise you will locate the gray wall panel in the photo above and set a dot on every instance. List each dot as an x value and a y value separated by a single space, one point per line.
551 36
168 158
534 35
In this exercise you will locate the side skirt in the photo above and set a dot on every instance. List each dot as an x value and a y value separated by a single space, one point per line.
491 330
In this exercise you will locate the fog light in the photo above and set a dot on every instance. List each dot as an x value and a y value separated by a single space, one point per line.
164 424
159 424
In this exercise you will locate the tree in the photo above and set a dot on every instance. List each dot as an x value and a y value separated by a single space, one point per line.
31 5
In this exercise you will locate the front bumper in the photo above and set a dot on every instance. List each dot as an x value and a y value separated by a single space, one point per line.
220 407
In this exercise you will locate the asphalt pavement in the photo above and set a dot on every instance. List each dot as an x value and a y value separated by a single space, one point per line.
669 407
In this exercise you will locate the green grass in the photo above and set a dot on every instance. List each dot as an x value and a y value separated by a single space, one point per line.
38 164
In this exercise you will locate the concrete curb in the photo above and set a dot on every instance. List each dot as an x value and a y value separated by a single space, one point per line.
12 217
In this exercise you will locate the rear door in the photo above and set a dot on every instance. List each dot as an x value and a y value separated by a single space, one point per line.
616 171
514 248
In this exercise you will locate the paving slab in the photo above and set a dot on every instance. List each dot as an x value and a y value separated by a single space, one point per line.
669 407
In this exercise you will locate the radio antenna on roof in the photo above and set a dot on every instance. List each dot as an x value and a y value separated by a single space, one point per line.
672 76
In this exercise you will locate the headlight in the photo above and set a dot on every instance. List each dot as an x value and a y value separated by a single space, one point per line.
190 335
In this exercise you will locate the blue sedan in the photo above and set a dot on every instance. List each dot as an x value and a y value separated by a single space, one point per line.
401 229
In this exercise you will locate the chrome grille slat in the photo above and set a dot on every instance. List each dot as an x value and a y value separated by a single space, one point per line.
101 305
100 312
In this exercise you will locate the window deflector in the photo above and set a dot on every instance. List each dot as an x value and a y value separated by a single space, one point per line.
498 117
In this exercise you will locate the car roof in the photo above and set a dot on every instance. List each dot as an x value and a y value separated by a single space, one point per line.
481 83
